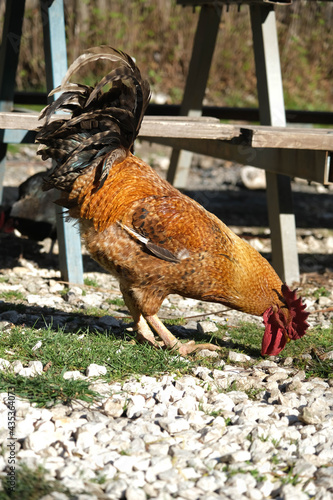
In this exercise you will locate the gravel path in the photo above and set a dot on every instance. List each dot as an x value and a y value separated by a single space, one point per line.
177 437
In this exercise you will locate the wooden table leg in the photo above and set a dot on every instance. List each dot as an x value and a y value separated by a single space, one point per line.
272 112
196 82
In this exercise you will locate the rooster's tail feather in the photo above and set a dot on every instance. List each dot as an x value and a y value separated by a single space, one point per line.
100 122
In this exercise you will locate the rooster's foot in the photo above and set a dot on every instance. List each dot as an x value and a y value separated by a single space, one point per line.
172 343
191 346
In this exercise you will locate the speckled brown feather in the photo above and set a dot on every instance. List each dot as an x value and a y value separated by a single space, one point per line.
218 265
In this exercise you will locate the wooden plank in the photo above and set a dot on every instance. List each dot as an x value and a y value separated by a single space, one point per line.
185 128
194 127
18 121
29 121
311 165
198 128
289 138
178 132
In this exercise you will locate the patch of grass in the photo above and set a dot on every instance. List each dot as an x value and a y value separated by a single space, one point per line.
14 148
31 484
99 479
12 295
118 301
64 291
290 477
214 413
64 350
247 338
175 322
91 282
76 351
47 389
231 387
253 393
95 311
254 472
321 292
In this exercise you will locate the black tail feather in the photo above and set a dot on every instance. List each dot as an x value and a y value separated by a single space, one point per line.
100 122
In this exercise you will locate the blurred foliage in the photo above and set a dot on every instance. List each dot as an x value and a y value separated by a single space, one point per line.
159 34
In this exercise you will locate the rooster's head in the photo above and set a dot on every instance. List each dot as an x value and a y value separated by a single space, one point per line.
283 323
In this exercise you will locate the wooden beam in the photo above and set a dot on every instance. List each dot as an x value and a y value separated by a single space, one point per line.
310 165
196 82
199 128
272 112
9 55
288 137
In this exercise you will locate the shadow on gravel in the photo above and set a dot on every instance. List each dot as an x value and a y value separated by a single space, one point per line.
249 208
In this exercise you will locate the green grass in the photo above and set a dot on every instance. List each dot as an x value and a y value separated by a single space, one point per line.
254 472
12 295
62 350
49 388
247 339
118 301
321 292
31 484
94 311
91 282
76 351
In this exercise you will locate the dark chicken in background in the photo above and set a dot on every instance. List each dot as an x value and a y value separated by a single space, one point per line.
33 213
153 239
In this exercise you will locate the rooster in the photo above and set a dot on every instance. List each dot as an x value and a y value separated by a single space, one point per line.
155 240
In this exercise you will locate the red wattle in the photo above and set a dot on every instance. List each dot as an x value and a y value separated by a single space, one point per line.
274 339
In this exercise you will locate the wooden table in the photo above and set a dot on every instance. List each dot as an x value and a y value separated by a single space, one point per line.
280 161
282 152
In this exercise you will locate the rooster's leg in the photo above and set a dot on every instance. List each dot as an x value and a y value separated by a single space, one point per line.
144 333
171 342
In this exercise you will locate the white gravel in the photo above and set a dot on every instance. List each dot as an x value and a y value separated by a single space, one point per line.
181 437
